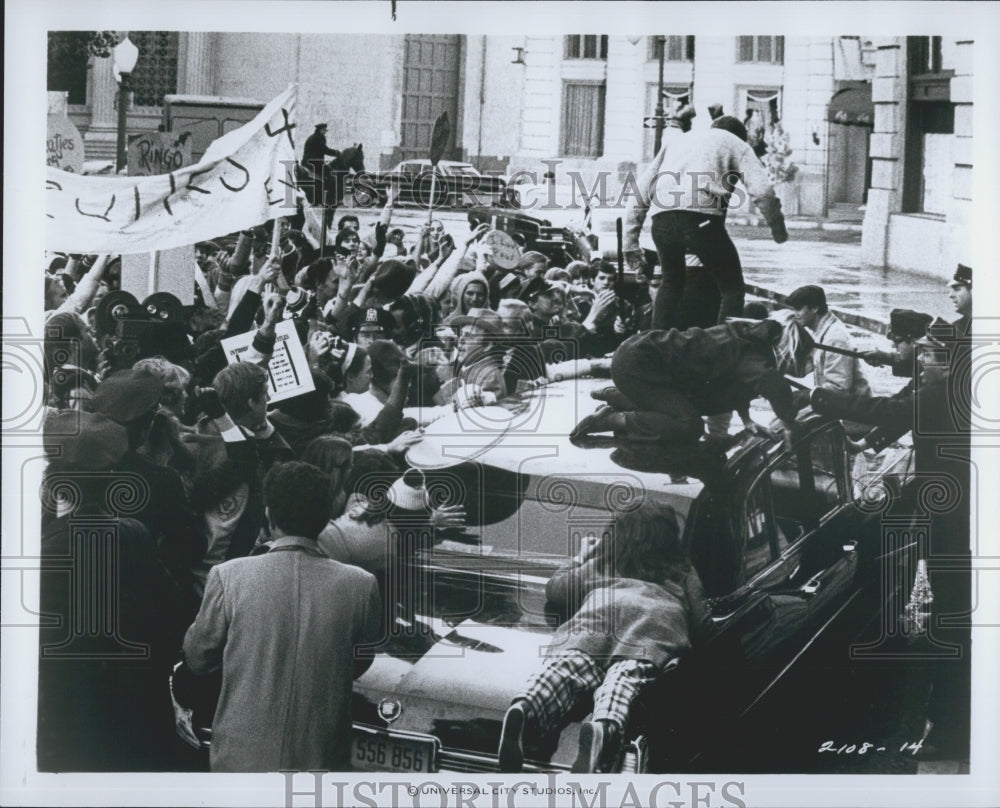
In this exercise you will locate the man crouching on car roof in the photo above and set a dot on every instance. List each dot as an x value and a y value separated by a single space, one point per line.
284 627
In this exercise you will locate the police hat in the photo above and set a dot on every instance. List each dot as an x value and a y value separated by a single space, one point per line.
127 395
372 318
962 277
906 324
537 286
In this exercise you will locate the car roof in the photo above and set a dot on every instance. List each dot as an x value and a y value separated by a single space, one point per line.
441 163
536 443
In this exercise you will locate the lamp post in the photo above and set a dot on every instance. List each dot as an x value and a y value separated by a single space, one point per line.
126 54
661 42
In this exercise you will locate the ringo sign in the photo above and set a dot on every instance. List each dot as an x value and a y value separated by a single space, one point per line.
158 153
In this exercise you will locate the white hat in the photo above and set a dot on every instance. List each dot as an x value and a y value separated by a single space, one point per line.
409 491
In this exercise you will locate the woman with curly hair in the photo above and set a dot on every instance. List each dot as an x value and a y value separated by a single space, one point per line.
635 601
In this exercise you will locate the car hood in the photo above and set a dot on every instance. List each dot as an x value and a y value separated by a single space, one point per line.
456 682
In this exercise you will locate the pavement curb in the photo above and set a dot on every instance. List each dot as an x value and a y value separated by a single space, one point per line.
796 224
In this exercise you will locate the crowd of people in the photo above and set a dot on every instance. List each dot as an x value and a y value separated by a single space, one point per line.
247 530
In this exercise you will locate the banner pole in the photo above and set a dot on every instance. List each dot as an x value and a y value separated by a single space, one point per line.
430 202
276 237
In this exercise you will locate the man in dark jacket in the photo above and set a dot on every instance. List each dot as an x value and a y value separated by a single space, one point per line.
315 151
131 398
665 381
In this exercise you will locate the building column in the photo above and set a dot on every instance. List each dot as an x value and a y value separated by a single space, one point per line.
625 101
195 67
100 141
961 243
885 193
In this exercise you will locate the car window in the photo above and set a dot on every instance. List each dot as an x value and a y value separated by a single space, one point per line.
764 539
791 498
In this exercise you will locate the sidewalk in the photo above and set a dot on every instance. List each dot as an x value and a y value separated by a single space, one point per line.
860 295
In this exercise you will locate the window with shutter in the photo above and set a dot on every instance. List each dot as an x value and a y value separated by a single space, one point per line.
930 127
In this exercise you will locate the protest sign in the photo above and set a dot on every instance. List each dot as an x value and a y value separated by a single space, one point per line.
288 371
243 179
506 253
63 141
171 271
154 153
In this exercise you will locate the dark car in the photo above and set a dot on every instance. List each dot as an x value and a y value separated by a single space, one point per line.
455 184
558 244
778 538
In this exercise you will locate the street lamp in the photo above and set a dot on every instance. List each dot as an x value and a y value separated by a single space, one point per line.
661 42
125 54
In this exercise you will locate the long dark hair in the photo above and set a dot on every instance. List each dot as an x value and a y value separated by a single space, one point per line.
645 543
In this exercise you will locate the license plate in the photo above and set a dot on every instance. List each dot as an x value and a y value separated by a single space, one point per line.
380 751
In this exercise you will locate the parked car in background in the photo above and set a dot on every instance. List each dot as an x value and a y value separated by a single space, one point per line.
787 544
455 184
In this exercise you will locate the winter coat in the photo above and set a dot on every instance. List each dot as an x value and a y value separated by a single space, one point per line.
626 618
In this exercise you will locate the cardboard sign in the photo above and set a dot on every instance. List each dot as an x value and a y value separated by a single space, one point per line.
506 253
158 153
63 145
288 373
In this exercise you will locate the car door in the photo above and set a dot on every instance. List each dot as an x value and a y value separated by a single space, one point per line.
778 558
799 549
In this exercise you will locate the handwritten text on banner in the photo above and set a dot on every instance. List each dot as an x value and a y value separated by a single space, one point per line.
243 180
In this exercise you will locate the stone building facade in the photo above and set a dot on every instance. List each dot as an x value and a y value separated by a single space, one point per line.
519 102
920 200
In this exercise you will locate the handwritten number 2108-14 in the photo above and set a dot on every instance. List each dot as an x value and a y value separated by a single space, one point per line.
865 747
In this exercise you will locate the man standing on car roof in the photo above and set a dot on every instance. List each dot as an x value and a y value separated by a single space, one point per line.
690 183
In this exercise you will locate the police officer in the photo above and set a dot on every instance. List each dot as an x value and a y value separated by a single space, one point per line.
936 406
315 151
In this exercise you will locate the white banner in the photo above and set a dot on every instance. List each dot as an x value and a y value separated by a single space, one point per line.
243 180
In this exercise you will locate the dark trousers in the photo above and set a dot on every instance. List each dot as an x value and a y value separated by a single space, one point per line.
678 232
655 404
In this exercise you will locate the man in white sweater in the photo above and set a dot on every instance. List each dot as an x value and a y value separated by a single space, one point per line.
690 185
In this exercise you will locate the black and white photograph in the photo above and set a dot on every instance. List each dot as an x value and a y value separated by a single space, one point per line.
500 404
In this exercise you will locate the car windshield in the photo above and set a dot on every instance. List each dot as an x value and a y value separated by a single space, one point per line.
540 520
